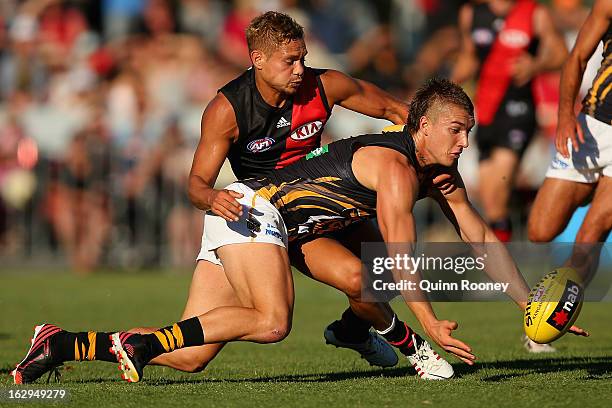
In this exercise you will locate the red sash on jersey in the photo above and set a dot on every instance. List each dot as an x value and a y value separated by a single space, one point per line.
308 118
495 75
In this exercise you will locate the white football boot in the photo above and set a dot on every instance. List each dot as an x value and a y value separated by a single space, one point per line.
428 364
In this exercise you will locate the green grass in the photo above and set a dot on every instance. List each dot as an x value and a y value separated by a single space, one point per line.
300 371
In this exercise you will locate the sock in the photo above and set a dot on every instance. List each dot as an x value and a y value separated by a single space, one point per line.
502 229
351 328
186 333
399 335
81 346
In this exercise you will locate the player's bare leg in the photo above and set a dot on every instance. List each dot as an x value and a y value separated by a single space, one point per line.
339 265
261 277
555 203
496 178
328 261
209 289
595 227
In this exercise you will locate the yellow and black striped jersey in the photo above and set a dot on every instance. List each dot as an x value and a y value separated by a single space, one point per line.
598 101
319 193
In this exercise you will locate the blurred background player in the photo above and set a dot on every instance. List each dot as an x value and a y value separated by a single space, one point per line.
581 169
506 44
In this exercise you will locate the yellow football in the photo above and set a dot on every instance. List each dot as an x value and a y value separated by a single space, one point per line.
553 305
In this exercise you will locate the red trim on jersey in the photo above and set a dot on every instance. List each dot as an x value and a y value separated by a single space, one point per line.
308 118
495 77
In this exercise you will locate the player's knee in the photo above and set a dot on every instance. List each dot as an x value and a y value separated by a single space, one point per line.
536 232
274 327
540 229
352 279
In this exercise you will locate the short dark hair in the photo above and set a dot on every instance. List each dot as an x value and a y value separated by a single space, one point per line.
272 29
436 90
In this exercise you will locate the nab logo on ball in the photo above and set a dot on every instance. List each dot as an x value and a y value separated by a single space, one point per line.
308 130
553 305
567 306
260 145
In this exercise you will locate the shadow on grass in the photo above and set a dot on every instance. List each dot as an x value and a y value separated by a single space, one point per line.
298 378
598 368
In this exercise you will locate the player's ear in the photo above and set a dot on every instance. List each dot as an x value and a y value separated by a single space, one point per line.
424 124
258 58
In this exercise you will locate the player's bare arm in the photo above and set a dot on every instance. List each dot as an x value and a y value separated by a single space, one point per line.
219 130
363 97
590 34
395 181
473 229
467 63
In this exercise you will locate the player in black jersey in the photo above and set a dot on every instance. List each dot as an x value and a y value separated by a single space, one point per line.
582 167
505 43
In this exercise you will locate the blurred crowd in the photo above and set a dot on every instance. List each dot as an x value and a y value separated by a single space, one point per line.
100 105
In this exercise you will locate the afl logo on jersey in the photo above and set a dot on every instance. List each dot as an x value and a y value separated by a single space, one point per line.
482 36
308 130
260 145
514 38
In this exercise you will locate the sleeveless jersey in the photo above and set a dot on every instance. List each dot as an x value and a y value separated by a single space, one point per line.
320 194
598 101
486 26
271 138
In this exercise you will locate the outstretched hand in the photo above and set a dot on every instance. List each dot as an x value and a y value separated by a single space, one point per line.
578 331
440 331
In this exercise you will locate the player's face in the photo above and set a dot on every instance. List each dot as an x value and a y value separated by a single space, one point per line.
448 133
283 69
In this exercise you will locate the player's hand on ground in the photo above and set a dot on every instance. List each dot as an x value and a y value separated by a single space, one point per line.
224 203
567 129
578 331
523 69
440 331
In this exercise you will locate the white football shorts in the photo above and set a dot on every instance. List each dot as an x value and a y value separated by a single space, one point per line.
593 158
260 222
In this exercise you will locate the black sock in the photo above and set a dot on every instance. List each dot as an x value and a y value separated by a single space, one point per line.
186 333
400 335
351 328
90 346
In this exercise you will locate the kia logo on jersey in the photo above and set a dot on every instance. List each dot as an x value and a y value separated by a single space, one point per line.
260 145
514 38
308 130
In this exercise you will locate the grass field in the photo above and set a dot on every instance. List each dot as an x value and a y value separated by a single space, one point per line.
302 370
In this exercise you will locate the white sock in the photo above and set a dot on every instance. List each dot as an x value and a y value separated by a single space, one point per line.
388 329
